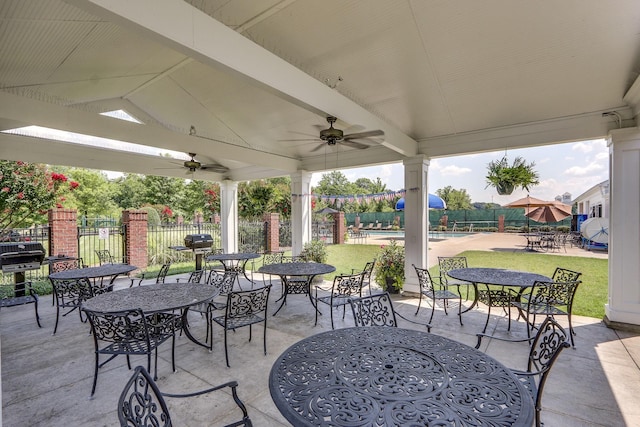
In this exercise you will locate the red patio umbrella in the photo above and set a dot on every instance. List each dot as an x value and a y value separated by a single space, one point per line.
551 213
531 202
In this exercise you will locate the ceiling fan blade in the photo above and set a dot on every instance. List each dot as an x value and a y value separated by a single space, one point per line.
364 134
215 168
323 144
355 144
299 140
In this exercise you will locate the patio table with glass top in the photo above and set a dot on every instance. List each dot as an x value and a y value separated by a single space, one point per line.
162 297
296 270
382 376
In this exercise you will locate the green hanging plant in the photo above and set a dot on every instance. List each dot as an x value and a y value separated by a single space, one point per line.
506 178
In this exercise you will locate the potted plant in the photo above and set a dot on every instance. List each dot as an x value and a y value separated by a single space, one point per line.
315 251
506 178
389 267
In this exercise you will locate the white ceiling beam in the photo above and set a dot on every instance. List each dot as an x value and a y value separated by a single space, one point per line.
53 116
575 128
197 35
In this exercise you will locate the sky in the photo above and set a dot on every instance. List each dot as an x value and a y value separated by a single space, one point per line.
562 168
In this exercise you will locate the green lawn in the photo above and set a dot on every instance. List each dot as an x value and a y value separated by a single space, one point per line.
590 297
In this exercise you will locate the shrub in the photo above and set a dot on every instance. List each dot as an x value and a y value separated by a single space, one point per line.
315 251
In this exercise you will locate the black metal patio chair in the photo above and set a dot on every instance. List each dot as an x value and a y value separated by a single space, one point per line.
21 293
69 295
344 288
547 299
446 264
549 341
366 273
105 257
244 308
160 276
142 404
130 333
434 293
377 310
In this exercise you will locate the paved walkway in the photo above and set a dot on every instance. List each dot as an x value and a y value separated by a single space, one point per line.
46 380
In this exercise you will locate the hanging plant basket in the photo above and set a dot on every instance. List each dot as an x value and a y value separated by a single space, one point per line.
506 178
504 188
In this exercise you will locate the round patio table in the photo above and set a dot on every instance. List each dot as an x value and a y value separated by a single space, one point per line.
235 262
105 270
497 277
296 277
162 297
384 376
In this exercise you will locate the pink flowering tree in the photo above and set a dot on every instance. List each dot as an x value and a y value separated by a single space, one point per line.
27 191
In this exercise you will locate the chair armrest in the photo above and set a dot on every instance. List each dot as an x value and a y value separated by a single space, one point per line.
427 325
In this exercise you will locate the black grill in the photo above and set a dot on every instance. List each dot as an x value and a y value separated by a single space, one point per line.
198 242
21 256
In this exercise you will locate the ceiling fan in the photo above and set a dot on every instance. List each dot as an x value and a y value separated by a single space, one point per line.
193 165
333 136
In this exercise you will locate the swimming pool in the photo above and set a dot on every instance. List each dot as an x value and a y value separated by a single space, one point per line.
432 234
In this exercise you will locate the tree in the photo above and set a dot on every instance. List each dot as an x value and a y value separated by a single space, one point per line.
455 199
27 191
94 196
129 191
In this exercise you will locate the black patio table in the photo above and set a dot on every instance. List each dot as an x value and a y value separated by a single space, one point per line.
498 277
298 270
384 376
97 272
235 262
162 297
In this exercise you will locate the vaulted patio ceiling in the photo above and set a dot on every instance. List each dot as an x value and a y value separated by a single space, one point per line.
254 77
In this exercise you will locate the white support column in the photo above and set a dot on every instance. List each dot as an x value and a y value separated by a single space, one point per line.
229 215
416 241
300 210
623 308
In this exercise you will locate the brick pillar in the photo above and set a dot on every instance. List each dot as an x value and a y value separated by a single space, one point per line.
273 232
501 224
64 232
339 228
135 250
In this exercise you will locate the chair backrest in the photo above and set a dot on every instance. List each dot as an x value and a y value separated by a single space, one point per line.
347 284
71 292
104 256
71 264
162 274
553 293
223 281
424 279
122 327
250 304
368 270
141 403
565 275
447 264
272 258
373 310
196 276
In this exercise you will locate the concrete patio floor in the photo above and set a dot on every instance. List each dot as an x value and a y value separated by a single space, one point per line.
46 380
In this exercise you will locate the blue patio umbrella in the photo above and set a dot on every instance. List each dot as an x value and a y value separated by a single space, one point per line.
435 202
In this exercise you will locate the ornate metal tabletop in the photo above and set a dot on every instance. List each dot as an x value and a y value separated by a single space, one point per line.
384 376
297 269
104 270
285 270
152 298
243 256
497 276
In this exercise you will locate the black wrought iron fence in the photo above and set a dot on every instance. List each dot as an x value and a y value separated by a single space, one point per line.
322 230
285 234
95 237
161 238
252 236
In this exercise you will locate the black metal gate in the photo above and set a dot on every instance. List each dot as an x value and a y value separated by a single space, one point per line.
91 239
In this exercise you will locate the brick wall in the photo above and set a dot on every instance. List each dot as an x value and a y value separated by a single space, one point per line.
273 232
64 232
339 228
136 237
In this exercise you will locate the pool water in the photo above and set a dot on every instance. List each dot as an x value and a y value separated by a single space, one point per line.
432 234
